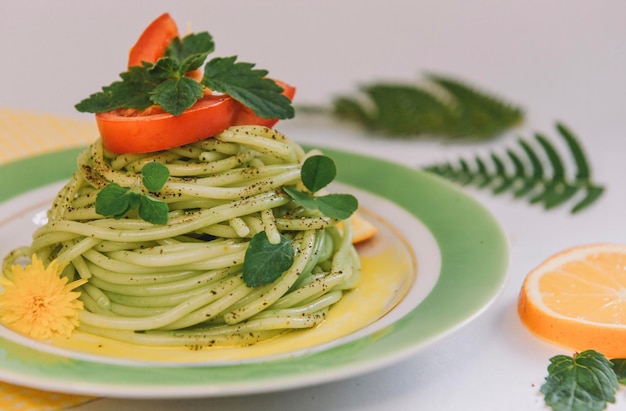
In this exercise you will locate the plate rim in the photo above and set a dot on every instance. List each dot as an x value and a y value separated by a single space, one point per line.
314 368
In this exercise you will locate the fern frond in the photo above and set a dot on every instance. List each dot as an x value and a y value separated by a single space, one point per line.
536 172
445 108
479 114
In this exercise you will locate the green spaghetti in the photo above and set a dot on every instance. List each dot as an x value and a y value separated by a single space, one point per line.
182 283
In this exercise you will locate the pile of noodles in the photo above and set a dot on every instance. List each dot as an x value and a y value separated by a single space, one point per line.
181 284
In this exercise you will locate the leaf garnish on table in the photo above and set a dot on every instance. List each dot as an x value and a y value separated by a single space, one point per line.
535 171
585 381
441 107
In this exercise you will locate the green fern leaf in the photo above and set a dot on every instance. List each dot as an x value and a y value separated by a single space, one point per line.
536 172
479 114
444 108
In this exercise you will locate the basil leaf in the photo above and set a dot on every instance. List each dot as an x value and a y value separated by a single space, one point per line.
317 172
152 210
340 206
304 199
154 175
177 95
115 201
264 262
584 382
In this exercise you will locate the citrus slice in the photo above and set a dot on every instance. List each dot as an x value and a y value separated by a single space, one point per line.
577 298
362 229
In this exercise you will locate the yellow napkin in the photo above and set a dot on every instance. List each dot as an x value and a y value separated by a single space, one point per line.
16 398
24 134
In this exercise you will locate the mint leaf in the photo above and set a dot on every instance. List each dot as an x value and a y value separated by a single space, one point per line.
191 51
177 95
318 172
154 176
340 206
164 68
152 210
115 201
264 262
304 199
164 83
619 367
247 85
132 92
584 382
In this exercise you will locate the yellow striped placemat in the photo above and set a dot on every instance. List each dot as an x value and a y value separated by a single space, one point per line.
24 134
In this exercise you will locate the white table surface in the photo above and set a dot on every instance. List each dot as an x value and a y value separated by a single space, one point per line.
561 60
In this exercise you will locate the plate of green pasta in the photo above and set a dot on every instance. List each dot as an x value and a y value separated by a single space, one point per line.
231 266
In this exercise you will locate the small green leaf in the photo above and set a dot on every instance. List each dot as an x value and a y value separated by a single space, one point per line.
115 201
304 199
247 85
177 95
152 210
584 382
340 206
318 172
264 262
154 175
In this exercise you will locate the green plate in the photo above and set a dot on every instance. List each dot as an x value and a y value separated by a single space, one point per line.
473 253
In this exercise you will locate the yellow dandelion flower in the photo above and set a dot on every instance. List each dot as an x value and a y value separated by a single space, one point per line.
38 302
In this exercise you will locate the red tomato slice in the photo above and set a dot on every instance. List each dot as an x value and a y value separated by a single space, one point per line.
153 41
123 132
245 116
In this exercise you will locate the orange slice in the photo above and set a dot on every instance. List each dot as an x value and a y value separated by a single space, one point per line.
362 229
577 298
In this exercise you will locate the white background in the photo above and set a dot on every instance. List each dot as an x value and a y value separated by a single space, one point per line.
560 60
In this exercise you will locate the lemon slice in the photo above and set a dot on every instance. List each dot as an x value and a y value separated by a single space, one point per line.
577 298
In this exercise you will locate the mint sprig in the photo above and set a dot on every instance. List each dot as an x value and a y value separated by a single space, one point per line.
165 83
116 201
317 172
585 381
265 261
